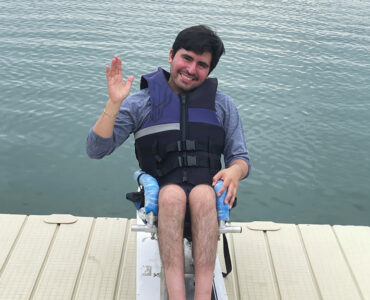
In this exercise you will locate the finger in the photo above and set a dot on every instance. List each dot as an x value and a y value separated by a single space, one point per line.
112 66
119 71
216 178
224 186
234 190
115 65
230 195
107 69
129 83
231 203
231 191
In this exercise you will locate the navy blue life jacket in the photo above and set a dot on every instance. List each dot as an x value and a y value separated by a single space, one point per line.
182 140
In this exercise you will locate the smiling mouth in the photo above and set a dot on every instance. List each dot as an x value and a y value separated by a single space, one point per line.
187 76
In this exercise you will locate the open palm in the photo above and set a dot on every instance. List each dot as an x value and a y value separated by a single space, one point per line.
118 90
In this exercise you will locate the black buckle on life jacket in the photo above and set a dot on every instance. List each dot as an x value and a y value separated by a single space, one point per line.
209 146
190 145
187 161
186 145
191 161
179 146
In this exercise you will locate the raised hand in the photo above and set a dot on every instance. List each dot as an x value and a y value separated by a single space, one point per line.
118 90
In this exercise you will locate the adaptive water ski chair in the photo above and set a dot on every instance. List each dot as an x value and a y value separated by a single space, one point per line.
150 279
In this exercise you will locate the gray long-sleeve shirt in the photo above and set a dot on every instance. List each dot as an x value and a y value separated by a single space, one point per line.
135 109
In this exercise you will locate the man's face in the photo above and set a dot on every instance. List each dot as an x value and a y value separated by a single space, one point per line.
188 70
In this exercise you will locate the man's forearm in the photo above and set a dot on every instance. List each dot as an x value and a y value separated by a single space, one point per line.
105 124
242 166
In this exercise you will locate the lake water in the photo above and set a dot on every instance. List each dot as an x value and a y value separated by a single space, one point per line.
299 72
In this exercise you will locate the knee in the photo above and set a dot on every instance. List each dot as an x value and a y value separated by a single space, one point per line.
202 197
172 195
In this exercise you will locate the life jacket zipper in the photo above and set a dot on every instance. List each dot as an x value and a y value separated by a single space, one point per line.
183 119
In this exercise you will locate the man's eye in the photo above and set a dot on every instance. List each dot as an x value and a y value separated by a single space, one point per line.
203 66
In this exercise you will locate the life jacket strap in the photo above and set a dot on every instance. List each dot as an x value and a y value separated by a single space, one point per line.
183 161
191 145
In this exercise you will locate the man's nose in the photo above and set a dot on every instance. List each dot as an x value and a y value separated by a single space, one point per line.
191 67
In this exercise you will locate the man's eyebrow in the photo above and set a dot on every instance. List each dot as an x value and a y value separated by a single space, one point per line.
186 56
203 64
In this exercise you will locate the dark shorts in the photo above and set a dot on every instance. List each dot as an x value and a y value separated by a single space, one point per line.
187 187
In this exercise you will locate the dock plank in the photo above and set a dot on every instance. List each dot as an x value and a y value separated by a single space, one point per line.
328 263
126 288
25 262
100 272
355 241
58 278
96 259
254 271
293 272
10 226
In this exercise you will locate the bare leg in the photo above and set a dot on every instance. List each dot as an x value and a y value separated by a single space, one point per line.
171 215
202 203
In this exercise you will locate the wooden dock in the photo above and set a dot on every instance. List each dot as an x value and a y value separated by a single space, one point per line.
66 257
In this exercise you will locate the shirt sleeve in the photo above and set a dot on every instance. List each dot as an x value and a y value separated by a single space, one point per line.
235 144
132 114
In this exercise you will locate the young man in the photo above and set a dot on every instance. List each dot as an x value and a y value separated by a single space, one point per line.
182 125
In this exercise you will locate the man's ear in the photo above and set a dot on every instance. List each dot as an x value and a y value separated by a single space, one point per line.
170 56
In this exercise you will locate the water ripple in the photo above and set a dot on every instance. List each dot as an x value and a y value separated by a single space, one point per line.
297 71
